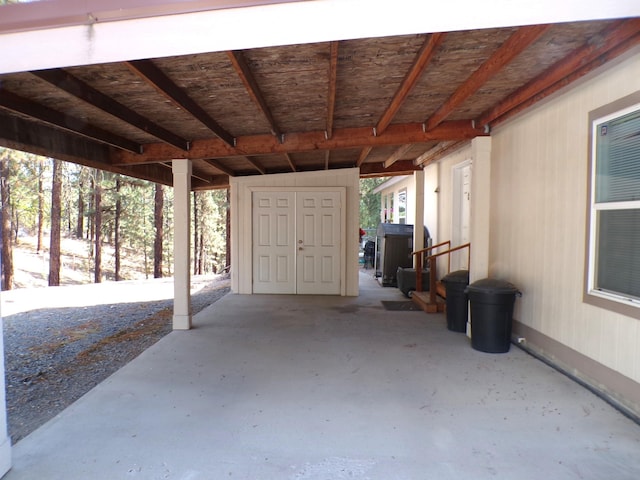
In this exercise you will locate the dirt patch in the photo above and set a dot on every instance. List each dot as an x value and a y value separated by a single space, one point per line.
55 355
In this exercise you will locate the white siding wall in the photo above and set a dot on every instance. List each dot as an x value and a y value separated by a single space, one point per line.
241 248
538 221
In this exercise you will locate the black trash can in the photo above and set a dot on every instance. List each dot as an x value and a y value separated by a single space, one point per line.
455 284
491 314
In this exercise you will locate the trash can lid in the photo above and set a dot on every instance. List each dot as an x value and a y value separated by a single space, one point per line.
492 285
459 276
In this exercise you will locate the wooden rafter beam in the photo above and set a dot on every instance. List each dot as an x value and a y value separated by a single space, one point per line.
155 77
248 79
364 153
438 152
42 139
79 89
327 156
201 176
423 58
613 41
15 103
403 167
515 44
397 134
216 182
257 165
333 75
397 155
217 164
292 165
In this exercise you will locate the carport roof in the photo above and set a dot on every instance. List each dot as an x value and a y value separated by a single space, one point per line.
388 105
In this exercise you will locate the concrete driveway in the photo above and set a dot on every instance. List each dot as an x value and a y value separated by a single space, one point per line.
301 387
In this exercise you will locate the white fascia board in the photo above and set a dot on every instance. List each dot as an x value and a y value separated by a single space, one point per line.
282 24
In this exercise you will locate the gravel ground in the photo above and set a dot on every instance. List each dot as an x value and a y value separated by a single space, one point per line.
53 356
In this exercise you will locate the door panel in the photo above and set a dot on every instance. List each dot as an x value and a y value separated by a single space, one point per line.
273 242
461 214
318 265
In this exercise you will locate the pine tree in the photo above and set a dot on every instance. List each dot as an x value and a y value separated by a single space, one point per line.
5 214
56 207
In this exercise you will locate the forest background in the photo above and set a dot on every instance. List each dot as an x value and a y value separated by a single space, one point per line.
125 225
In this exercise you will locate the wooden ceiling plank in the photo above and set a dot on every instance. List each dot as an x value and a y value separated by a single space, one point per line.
157 78
423 58
397 155
364 153
333 78
327 155
79 89
581 72
15 103
617 34
248 79
257 165
344 138
510 49
220 166
290 161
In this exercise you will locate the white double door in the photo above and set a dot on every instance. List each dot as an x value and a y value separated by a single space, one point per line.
297 238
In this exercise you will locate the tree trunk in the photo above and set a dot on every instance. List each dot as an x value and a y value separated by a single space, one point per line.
98 227
227 259
5 219
201 253
158 211
116 233
195 233
80 222
40 204
90 222
56 207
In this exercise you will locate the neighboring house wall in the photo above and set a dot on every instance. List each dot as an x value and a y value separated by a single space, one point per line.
241 243
393 187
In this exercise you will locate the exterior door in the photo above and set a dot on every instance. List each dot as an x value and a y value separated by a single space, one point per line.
461 231
296 242
318 243
273 242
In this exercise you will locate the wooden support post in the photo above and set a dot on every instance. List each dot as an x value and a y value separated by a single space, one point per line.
419 272
432 280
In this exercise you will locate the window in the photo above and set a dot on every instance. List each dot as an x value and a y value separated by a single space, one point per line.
614 237
402 206
388 208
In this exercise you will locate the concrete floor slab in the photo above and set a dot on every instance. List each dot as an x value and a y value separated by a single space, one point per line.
302 387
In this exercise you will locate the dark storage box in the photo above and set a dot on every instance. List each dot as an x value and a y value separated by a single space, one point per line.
394 245
455 284
492 304
407 280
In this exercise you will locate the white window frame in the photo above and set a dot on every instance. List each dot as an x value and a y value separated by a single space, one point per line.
402 218
625 301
